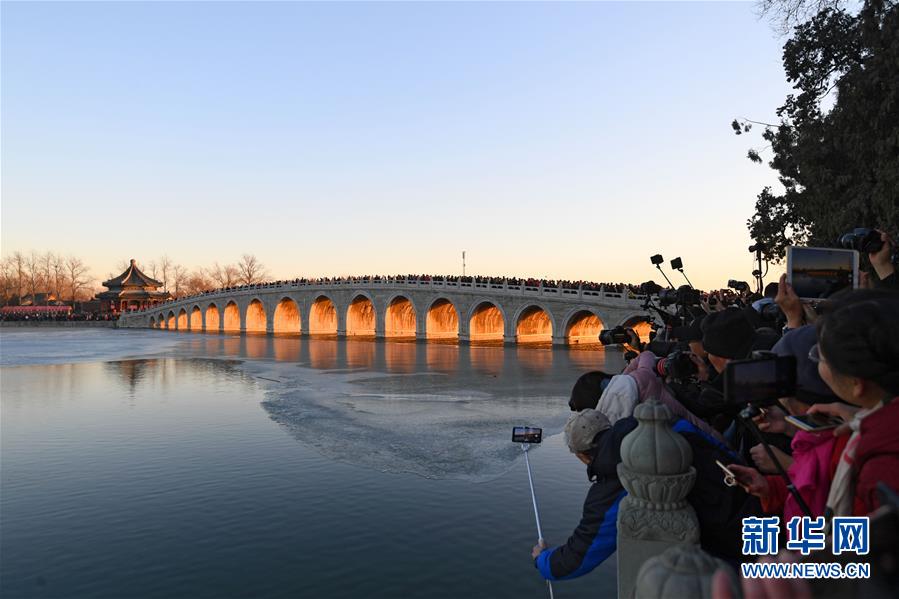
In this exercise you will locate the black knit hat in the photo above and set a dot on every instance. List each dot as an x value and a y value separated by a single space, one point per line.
587 390
728 334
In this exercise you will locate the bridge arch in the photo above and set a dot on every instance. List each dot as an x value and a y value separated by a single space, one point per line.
152 322
533 324
400 316
196 319
641 325
323 316
182 320
287 317
254 317
486 321
170 321
212 317
361 316
161 320
231 316
442 320
582 326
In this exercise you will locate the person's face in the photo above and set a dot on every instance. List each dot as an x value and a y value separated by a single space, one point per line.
718 363
848 388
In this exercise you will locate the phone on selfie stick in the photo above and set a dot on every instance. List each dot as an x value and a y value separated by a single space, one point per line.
527 435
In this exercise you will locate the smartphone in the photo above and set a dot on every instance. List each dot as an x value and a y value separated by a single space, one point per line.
818 273
527 434
759 381
814 422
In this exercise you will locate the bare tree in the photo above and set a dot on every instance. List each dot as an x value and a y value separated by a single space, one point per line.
20 267
784 15
47 275
224 276
251 270
197 282
77 275
179 279
59 267
151 269
7 279
165 268
33 266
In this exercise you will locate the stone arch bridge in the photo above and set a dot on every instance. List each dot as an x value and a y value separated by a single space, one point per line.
401 308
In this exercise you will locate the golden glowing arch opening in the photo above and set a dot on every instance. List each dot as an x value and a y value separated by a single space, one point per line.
161 322
487 323
322 317
534 326
399 319
196 319
152 323
255 317
584 328
442 321
232 317
182 320
287 318
360 317
212 318
170 321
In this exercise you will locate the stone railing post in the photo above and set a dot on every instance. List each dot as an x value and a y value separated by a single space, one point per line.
656 469
682 571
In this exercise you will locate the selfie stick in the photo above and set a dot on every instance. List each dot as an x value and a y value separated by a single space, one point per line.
524 448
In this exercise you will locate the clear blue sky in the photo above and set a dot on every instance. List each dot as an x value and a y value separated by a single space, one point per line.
561 140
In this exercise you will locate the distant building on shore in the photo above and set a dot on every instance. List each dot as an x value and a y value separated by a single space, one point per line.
131 290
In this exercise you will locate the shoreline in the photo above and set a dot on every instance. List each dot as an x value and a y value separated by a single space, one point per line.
61 324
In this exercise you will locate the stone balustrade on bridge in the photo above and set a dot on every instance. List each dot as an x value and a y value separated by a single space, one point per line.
402 308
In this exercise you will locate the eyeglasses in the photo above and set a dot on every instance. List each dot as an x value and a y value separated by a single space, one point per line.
814 355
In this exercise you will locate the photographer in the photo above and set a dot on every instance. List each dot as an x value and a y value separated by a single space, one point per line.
814 455
858 358
596 442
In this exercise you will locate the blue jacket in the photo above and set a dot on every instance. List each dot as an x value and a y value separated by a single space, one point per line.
720 509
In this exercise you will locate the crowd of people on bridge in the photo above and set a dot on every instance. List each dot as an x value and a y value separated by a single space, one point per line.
625 289
840 458
50 314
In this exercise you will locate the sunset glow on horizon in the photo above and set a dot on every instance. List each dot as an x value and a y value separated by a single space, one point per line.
557 141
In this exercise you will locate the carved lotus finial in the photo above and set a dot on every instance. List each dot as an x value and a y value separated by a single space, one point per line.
681 571
652 447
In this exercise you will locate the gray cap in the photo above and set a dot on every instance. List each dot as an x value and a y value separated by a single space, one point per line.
583 427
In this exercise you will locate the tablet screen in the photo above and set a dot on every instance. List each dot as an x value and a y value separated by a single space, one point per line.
817 273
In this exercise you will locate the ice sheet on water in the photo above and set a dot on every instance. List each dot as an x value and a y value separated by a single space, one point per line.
411 423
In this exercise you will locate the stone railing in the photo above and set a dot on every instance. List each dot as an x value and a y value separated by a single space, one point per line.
505 288
658 531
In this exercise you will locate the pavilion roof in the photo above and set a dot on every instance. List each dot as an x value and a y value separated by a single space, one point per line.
132 277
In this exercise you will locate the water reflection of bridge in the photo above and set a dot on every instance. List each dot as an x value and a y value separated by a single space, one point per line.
402 309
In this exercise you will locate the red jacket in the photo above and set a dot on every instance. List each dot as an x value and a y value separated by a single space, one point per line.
876 457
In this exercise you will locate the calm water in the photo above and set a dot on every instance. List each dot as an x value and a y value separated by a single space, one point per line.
156 464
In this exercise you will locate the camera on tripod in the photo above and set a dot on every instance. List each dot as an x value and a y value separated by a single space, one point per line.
738 285
683 295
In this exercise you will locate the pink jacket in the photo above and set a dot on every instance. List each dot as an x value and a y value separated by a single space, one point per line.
651 386
811 473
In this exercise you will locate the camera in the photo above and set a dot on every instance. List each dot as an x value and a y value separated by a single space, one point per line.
656 259
617 336
761 380
862 239
738 285
677 263
650 288
684 295
677 365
